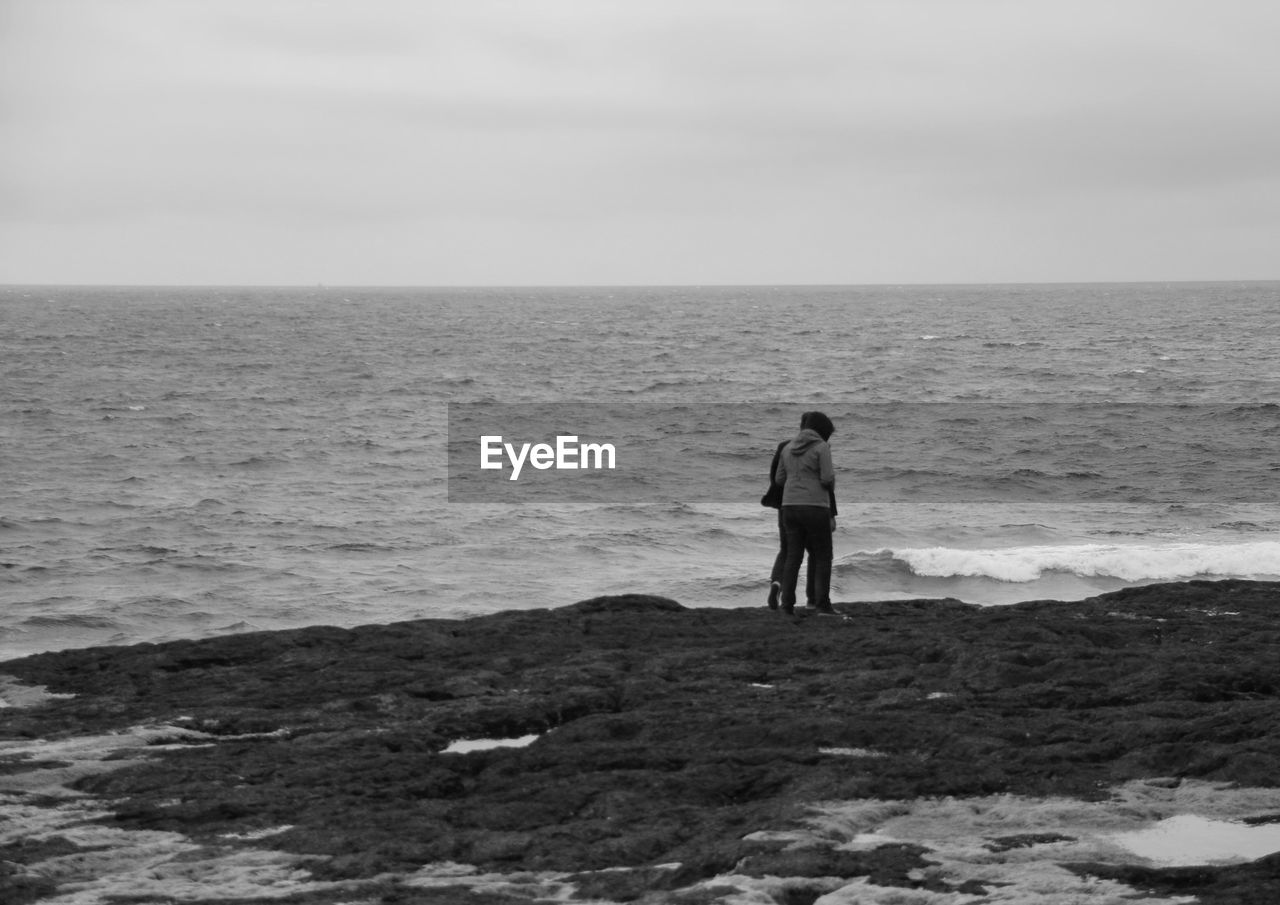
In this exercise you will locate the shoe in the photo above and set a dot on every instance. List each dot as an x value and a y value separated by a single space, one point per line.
825 608
775 591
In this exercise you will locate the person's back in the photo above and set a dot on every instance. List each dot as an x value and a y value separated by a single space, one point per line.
808 473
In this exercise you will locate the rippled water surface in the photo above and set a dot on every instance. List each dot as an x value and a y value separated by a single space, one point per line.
185 462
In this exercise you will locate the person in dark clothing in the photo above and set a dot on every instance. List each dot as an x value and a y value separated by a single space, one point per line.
807 478
773 499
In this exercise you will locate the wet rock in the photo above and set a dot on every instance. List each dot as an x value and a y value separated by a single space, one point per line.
668 734
1025 840
1242 884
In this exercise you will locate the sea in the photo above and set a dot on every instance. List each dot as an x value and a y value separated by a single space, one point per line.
185 462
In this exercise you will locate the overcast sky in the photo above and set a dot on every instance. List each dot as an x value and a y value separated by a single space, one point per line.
439 142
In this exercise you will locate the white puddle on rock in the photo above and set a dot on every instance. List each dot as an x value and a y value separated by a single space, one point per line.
852 752
13 693
467 745
1188 839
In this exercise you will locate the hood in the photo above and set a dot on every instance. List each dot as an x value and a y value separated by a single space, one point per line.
804 440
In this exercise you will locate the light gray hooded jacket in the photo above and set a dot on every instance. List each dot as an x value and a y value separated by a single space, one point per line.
805 471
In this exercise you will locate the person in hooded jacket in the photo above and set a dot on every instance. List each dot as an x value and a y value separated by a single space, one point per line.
773 499
808 478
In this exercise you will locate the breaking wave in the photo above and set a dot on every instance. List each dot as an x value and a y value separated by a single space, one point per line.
1127 562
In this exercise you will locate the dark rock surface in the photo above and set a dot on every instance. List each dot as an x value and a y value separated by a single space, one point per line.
671 732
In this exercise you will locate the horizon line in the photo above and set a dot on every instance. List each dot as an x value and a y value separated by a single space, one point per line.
773 285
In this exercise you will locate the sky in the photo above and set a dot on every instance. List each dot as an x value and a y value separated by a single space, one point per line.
598 142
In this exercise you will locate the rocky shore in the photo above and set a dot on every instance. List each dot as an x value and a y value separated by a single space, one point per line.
909 752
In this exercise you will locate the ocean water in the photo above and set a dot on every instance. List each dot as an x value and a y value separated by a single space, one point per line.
185 462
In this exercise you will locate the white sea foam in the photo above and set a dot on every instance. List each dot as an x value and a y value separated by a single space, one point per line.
1128 562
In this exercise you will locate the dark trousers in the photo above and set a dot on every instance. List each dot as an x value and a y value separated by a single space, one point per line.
780 562
808 530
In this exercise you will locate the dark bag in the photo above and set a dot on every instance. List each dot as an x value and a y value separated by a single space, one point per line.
773 496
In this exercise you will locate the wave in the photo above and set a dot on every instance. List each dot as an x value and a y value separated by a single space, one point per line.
1127 562
238 628
659 386
256 462
202 563
74 620
148 550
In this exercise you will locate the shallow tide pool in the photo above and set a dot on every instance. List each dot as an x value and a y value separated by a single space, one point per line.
1188 839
